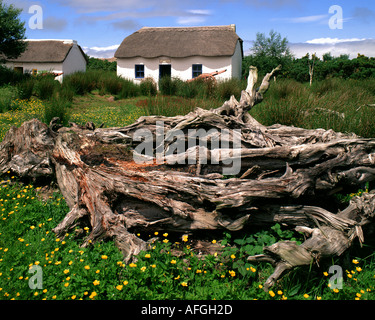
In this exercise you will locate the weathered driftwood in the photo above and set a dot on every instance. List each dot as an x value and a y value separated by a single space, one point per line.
282 169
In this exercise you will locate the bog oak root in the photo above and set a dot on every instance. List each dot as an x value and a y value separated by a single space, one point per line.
287 175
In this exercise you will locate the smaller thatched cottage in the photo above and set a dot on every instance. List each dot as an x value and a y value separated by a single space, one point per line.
56 56
181 52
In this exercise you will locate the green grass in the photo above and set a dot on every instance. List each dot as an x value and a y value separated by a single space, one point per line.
97 272
335 104
26 220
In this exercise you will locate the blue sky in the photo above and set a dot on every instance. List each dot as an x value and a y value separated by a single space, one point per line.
99 26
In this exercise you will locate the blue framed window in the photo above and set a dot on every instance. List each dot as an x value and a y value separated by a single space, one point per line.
197 70
139 71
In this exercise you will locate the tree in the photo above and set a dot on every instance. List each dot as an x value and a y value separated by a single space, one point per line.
269 52
12 30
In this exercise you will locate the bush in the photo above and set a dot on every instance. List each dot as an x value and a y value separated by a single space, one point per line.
168 86
148 87
9 76
225 89
7 95
128 89
66 92
25 89
45 87
57 107
81 82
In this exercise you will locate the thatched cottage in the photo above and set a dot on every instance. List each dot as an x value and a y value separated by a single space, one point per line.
181 52
57 56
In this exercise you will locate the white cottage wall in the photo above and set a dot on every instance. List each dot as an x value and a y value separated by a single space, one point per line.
29 66
181 67
74 61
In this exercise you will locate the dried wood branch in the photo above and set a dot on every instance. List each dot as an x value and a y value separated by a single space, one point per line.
103 185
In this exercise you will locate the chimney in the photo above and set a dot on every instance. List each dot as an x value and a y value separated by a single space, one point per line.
233 26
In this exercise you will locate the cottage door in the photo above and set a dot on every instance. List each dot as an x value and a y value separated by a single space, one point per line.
165 70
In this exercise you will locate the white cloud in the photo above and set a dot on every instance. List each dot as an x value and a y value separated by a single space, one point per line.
114 47
194 17
190 20
332 40
101 52
336 47
201 12
305 19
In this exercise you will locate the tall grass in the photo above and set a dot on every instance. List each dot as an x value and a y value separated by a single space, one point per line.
341 105
57 107
25 88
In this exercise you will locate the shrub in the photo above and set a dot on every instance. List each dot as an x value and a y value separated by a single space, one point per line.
148 87
7 95
66 92
57 107
168 86
9 76
82 82
25 89
128 89
112 85
225 89
45 87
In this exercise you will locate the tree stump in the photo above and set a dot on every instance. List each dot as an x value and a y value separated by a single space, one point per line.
155 174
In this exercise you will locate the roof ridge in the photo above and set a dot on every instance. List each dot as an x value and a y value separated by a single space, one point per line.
208 28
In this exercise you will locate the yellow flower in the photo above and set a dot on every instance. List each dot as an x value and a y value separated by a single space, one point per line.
96 282
199 271
153 266
165 240
173 262
271 293
185 238
184 284
336 290
66 271
358 295
132 265
279 292
119 287
66 284
253 269
232 273
306 296
87 267
349 275
355 261
73 297
147 255
318 298
143 269
359 269
260 286
104 257
165 234
325 274
93 294
156 233
233 256
32 227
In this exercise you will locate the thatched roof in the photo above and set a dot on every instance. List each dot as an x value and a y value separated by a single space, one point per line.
46 51
180 42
